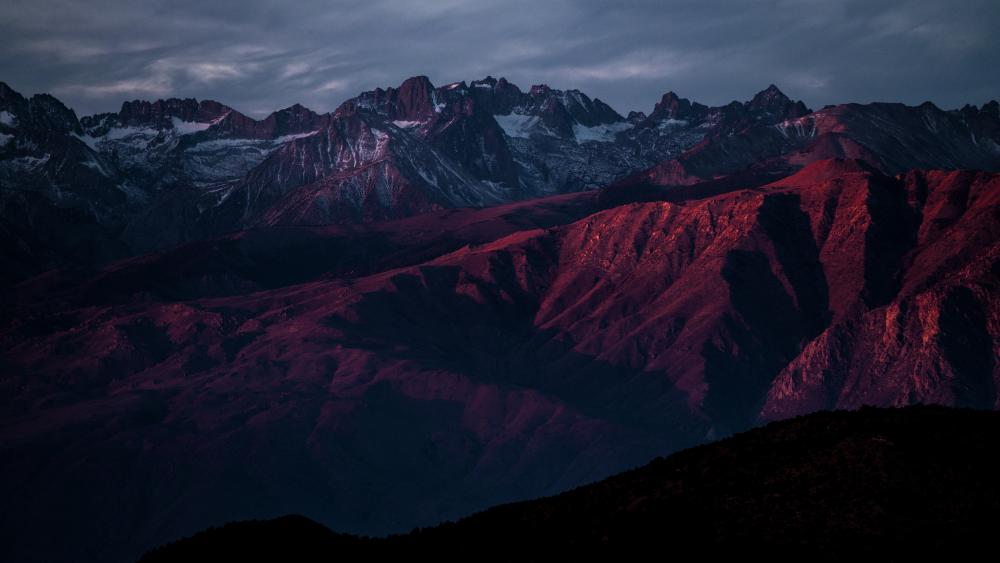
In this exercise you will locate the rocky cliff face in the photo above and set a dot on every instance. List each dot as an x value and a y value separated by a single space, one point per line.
929 331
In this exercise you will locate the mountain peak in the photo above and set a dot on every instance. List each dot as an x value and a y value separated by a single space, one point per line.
8 94
47 111
539 90
497 83
635 116
413 99
773 101
769 96
419 81
671 106
295 109
159 113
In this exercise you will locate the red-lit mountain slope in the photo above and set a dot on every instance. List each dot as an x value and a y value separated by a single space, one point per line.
509 369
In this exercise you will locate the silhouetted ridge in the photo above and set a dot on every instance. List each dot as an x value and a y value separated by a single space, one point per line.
893 483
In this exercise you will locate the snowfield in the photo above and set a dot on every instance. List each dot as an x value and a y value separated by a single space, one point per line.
517 125
599 133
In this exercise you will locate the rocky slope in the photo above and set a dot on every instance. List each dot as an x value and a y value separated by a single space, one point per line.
908 483
522 364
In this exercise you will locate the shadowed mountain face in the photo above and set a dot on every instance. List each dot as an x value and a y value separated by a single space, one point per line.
430 367
914 482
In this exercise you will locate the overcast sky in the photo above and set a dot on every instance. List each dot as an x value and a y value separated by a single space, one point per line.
260 55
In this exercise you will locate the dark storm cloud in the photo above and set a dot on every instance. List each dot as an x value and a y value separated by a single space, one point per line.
260 55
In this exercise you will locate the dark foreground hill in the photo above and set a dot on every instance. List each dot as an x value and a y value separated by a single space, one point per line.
895 483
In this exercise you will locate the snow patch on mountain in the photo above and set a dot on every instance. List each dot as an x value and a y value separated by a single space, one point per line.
672 123
94 163
517 125
30 162
188 127
801 127
407 124
221 144
87 140
134 135
569 97
5 138
293 136
599 133
224 159
8 119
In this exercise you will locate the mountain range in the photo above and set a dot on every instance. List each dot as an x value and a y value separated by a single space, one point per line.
436 299
83 191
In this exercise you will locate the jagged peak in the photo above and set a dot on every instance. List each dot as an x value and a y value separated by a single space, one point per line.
496 83
296 108
46 108
769 97
418 81
773 101
539 90
47 98
671 106
162 101
162 105
10 94
160 112
459 86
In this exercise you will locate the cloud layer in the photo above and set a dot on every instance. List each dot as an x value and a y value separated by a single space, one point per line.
260 55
